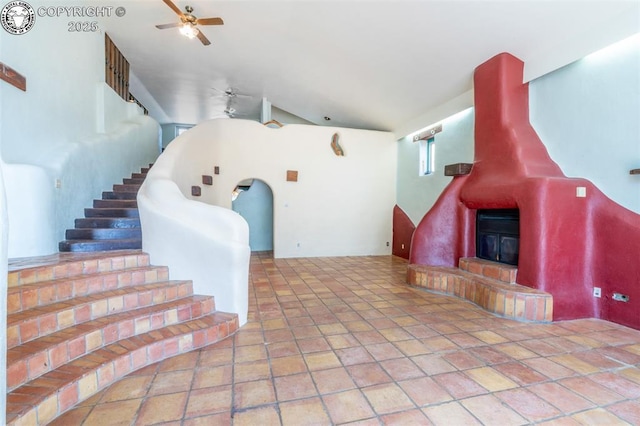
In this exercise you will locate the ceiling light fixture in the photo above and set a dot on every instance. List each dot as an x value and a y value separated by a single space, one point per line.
189 30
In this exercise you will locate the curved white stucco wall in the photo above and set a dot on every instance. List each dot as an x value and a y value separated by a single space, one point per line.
340 206
68 126
206 244
44 200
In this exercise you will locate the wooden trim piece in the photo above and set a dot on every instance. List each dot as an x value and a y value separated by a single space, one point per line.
634 172
276 122
13 77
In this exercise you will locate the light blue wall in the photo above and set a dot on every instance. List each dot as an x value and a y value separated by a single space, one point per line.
256 207
169 132
416 194
588 116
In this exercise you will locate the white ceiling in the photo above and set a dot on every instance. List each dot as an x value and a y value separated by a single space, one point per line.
382 64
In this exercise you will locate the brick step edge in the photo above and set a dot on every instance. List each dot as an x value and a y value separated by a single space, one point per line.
50 395
29 325
511 301
91 264
88 246
37 357
28 296
489 269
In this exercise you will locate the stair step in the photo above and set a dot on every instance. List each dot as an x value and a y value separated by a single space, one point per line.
132 181
103 233
66 265
27 296
101 204
32 359
125 188
138 175
145 170
111 212
41 321
111 195
108 222
41 400
99 245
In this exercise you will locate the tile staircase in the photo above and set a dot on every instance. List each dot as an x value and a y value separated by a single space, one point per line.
78 322
113 223
490 285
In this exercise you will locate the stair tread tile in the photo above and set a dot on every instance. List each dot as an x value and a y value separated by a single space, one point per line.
41 293
17 353
65 265
95 305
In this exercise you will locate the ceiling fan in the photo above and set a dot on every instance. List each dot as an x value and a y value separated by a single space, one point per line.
188 23
230 92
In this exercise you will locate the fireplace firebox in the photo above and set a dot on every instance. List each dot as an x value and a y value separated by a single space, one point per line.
498 235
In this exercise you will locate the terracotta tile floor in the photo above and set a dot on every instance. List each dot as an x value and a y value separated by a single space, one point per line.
344 340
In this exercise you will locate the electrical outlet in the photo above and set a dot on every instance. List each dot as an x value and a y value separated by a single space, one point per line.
597 292
387 243
620 297
58 183
402 246
581 191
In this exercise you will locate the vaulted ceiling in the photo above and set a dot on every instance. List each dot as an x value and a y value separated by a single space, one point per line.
385 64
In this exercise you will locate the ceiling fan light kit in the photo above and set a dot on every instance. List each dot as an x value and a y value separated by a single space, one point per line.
188 23
189 30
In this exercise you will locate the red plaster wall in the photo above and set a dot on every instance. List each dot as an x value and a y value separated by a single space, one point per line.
403 229
568 245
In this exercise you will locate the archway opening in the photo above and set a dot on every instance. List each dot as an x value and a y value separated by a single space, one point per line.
253 200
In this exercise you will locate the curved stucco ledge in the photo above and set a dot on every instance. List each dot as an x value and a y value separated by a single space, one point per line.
200 242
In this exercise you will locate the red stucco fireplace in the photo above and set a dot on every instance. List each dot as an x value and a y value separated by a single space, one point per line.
568 243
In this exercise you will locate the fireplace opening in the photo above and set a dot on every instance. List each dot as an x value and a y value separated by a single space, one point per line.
498 235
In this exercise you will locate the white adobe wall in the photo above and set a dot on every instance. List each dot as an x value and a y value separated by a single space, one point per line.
340 206
68 127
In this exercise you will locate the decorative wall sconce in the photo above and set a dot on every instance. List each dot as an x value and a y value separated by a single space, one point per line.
428 134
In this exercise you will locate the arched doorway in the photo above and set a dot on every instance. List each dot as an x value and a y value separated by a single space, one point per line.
253 200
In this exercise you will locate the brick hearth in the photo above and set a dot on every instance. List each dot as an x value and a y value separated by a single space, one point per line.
490 285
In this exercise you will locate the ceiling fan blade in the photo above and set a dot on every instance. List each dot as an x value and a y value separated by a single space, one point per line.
210 21
165 26
203 39
173 7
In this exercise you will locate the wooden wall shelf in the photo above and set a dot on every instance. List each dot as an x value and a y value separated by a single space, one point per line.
458 169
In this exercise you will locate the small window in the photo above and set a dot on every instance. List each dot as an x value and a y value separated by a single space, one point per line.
427 156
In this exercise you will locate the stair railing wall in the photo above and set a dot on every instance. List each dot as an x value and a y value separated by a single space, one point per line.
202 242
